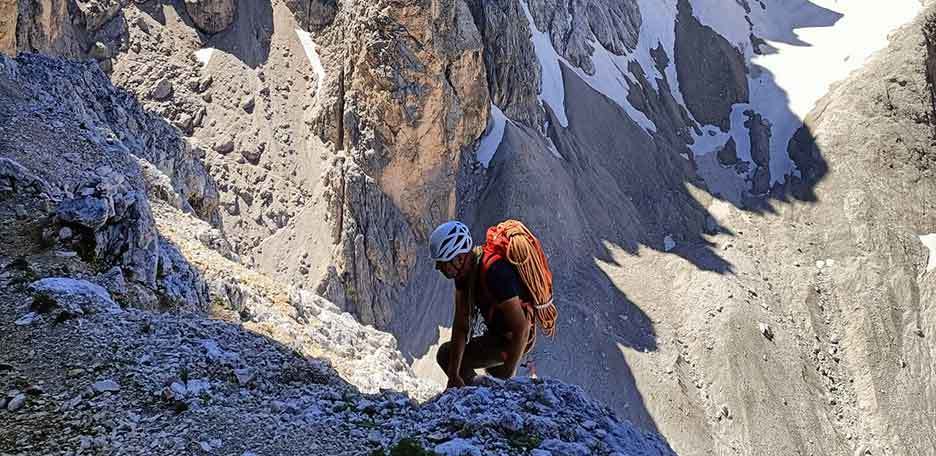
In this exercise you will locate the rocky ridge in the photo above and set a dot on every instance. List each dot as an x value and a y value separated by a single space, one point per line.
135 382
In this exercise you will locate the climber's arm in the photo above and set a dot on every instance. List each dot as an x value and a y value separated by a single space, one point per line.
459 337
519 327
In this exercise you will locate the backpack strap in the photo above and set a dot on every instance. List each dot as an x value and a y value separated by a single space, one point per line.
487 260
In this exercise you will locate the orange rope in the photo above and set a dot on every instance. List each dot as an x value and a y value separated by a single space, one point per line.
524 252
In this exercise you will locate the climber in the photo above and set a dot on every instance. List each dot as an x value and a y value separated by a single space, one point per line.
494 280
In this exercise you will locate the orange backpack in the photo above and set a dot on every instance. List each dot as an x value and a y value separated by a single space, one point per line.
511 240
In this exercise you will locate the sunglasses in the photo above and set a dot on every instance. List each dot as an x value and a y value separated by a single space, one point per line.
447 266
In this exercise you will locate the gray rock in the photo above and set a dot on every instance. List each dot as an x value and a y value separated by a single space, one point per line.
178 390
248 103
73 296
244 376
711 72
511 422
277 406
573 25
457 447
728 155
105 386
162 89
513 71
224 146
184 122
15 178
113 281
123 232
87 211
65 233
314 15
182 286
27 319
96 14
564 448
211 16
16 403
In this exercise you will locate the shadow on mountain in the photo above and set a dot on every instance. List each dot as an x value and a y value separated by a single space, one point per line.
613 186
798 14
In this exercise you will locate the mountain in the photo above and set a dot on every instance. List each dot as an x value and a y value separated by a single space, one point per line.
734 195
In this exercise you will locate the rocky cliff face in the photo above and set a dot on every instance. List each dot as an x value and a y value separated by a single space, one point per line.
8 27
108 279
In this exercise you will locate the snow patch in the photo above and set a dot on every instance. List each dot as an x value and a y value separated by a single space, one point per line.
305 38
552 90
728 19
657 30
204 55
493 136
929 241
832 35
609 79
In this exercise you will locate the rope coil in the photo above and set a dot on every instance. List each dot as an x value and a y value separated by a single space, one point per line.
525 252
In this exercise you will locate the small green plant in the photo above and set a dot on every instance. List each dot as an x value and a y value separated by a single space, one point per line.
524 441
408 447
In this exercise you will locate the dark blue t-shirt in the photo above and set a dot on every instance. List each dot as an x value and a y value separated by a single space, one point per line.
503 282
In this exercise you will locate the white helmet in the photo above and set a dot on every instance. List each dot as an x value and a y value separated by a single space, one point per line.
448 240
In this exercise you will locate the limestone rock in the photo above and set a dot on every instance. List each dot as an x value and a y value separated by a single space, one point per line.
314 15
15 178
711 72
77 297
180 284
513 71
115 225
8 15
96 13
162 89
105 386
16 403
211 16
615 25
87 211
457 447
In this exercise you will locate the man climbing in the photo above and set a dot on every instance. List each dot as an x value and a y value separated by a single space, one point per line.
507 281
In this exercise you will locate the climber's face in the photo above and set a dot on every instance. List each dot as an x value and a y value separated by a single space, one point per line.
454 268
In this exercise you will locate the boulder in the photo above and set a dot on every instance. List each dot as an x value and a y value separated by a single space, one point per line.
76 297
211 16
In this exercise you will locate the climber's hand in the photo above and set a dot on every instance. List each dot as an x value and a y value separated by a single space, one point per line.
455 382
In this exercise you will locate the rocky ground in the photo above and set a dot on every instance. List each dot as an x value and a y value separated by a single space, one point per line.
80 374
